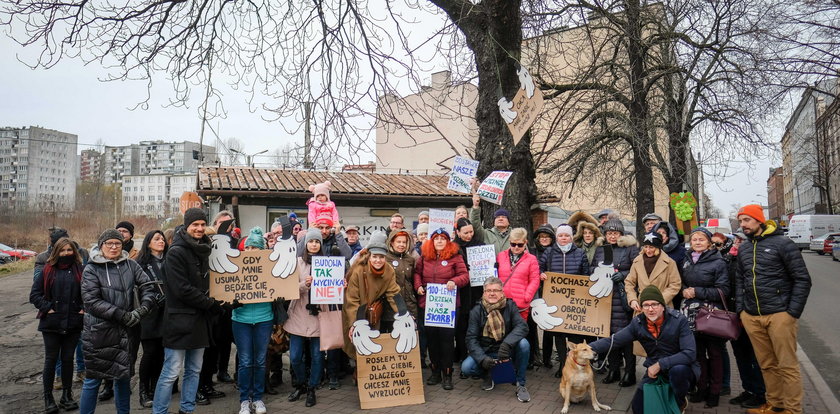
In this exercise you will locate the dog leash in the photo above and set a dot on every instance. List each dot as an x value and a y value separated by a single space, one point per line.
606 357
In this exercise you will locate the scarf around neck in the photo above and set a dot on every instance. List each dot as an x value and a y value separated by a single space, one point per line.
495 326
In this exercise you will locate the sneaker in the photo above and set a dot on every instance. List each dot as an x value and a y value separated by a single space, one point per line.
245 407
259 407
488 383
755 401
744 396
522 394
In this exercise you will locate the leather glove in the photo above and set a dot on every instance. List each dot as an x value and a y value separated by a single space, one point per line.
488 363
142 311
504 351
131 319
236 304
216 308
617 277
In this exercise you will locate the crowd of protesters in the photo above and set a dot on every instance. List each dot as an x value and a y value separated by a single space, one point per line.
108 303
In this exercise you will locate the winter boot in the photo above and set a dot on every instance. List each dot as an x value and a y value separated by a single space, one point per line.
628 379
447 379
67 403
612 376
310 397
49 404
434 379
299 390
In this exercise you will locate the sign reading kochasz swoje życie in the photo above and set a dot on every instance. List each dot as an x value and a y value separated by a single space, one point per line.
582 313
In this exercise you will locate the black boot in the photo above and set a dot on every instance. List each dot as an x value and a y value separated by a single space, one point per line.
628 379
211 392
310 397
143 395
107 390
435 378
201 399
612 376
67 403
49 404
299 390
698 396
447 379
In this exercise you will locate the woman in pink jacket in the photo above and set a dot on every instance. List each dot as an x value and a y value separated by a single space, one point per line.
519 271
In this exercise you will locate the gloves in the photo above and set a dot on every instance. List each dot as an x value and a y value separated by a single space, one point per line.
142 311
617 277
488 363
131 319
216 308
236 304
504 351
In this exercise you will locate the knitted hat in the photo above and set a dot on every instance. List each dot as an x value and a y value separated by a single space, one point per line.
565 229
604 212
544 229
292 216
313 234
324 218
423 213
125 225
376 244
110 234
439 232
651 216
740 235
501 212
614 225
651 293
652 239
422 228
321 188
703 231
192 215
753 210
56 234
255 239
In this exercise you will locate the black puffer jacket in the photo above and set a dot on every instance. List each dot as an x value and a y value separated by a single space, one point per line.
709 277
151 326
572 262
772 276
63 297
186 284
479 345
108 291
624 251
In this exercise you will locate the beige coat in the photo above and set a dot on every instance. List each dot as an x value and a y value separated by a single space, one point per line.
665 276
354 297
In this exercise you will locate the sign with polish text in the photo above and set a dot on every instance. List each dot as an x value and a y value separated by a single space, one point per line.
482 261
492 189
463 170
440 306
444 219
327 280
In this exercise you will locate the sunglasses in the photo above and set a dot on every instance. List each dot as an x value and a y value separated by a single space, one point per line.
517 245
718 244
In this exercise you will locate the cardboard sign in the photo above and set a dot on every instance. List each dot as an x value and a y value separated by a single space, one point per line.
250 277
463 170
189 199
441 219
327 280
482 261
440 306
527 105
388 378
582 313
492 188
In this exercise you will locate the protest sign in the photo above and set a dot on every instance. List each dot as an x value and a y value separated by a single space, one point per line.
444 219
463 170
440 305
327 280
388 378
249 277
492 188
582 313
520 113
482 260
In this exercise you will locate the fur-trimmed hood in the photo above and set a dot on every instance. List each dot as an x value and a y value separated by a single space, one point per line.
582 220
626 240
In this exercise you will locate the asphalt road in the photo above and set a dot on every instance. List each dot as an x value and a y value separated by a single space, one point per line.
819 330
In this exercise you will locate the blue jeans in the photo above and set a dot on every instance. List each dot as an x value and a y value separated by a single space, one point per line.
681 378
80 361
296 345
173 361
521 354
90 395
251 346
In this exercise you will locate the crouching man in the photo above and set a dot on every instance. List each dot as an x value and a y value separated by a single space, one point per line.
496 332
666 337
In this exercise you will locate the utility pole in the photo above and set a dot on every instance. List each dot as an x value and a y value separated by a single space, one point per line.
307 137
204 114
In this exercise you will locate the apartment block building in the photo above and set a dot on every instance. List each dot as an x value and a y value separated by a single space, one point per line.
38 168
149 157
155 195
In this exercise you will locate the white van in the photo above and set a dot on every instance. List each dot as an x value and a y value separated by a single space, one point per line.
803 228
719 225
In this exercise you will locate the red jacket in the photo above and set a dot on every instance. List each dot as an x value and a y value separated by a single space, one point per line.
522 285
433 271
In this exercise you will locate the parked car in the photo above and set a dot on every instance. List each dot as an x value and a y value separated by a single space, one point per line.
17 254
828 244
5 258
804 229
835 251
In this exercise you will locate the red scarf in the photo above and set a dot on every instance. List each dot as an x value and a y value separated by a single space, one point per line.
655 327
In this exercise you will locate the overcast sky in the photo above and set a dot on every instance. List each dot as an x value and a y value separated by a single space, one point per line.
70 97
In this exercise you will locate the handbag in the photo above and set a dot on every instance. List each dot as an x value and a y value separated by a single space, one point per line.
718 322
659 397
373 309
329 323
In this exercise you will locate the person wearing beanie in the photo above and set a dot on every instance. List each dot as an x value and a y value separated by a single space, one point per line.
423 217
442 264
422 232
652 268
333 242
562 256
109 285
187 333
255 240
320 205
499 234
772 288
667 339
619 250
127 230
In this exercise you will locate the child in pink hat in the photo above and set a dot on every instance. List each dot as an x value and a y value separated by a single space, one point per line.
320 204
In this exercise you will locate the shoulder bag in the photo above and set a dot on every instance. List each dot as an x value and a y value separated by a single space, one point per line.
718 322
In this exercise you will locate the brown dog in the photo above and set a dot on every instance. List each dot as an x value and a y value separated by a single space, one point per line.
578 377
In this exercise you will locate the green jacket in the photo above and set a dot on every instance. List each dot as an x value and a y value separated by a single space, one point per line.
500 240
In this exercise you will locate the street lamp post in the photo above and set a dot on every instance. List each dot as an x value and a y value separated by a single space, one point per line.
249 159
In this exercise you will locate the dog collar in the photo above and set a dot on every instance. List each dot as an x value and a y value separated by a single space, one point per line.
575 361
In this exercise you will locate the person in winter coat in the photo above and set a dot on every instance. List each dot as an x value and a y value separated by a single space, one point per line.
188 311
440 264
352 237
587 233
333 243
705 282
465 237
562 257
400 258
519 271
668 342
109 285
499 234
622 250
772 288
150 258
497 333
422 232
320 205
542 239
652 267
649 221
672 243
57 294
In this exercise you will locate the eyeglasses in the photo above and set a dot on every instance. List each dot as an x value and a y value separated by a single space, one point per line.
517 244
651 305
493 290
112 244
718 244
